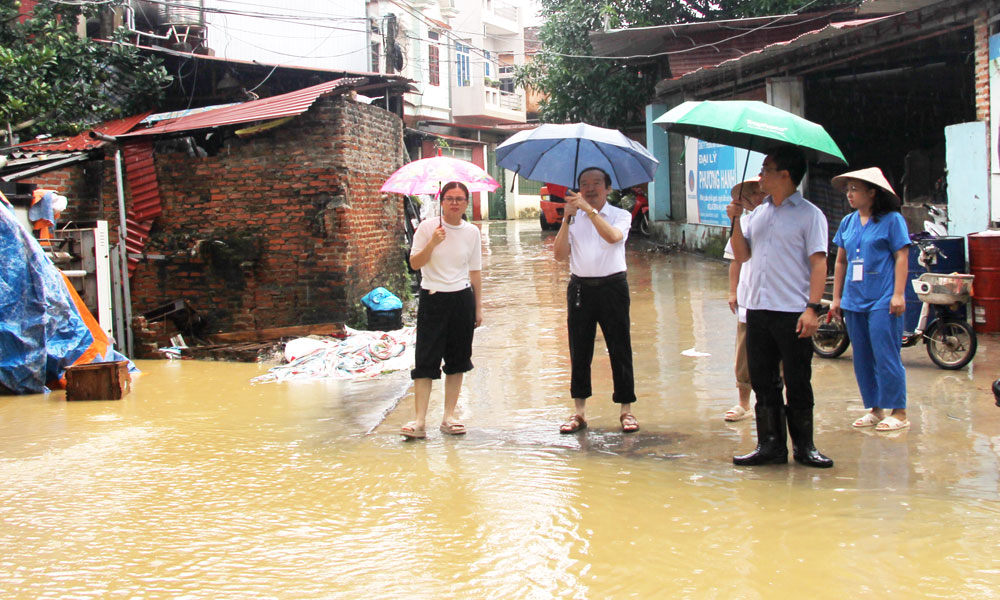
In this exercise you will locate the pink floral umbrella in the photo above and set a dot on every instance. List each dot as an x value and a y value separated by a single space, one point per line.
427 175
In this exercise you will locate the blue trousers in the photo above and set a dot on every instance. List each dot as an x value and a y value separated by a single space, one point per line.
876 337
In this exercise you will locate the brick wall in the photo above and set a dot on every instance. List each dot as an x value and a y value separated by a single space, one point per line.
286 227
982 58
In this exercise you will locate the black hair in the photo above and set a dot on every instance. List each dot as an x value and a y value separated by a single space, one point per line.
607 178
791 159
451 185
883 203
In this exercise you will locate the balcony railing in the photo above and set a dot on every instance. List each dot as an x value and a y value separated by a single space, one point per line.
496 98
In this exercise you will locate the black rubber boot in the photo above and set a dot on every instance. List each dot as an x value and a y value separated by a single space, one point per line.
771 448
800 429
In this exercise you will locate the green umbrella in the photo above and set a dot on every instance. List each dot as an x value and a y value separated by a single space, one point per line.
752 125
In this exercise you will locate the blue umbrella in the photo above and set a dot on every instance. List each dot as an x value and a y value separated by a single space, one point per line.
558 153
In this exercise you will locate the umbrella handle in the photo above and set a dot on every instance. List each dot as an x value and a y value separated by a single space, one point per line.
746 163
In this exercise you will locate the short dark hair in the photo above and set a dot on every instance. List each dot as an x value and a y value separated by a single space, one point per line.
452 185
791 159
607 178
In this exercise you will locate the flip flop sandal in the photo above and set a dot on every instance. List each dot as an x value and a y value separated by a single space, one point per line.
629 423
892 424
410 431
453 428
737 413
575 423
869 420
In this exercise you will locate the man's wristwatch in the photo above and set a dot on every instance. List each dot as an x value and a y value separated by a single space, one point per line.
593 211
816 306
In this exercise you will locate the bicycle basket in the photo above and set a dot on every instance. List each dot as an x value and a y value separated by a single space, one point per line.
938 288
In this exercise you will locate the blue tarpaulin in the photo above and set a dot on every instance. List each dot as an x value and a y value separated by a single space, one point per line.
41 330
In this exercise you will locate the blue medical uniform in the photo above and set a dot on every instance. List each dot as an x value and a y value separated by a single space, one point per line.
875 334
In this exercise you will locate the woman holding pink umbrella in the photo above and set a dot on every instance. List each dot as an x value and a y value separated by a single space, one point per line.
448 253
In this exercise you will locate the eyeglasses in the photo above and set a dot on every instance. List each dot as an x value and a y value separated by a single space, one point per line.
453 199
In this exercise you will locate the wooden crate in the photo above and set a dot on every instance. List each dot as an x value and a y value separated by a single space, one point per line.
98 381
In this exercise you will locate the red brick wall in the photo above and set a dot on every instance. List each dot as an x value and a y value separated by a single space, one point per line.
307 192
79 183
982 58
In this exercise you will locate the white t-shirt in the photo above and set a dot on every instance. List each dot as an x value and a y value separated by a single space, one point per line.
742 288
590 255
450 263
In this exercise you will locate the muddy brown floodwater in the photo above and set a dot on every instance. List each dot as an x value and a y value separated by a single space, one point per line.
199 485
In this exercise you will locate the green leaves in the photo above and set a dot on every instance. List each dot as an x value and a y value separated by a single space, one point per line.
62 82
611 93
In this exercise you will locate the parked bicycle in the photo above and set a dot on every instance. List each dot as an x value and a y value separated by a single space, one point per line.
942 327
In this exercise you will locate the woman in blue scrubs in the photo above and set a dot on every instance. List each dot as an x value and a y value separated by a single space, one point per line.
869 280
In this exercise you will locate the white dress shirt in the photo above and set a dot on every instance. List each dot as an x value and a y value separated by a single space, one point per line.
589 254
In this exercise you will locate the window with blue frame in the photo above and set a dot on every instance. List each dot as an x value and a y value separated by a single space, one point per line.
486 55
462 71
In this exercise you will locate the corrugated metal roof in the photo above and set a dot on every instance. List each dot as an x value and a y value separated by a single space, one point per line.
275 107
806 39
83 141
453 138
649 40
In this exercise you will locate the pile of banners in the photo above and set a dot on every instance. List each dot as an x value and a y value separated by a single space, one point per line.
360 355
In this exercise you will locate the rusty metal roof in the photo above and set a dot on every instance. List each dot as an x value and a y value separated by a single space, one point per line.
83 141
772 50
275 107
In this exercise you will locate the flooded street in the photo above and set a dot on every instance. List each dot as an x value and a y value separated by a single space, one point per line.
199 485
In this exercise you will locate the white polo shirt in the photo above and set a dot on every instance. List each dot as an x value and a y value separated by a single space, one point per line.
590 255
450 263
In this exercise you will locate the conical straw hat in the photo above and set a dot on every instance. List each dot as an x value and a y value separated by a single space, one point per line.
872 175
750 186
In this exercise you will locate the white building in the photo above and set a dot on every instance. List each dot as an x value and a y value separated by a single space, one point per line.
326 34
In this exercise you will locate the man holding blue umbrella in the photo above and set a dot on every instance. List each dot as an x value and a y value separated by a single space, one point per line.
592 236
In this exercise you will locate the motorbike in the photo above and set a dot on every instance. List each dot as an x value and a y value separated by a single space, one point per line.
640 210
951 342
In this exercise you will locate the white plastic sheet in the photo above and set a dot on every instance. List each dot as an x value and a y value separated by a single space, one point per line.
361 355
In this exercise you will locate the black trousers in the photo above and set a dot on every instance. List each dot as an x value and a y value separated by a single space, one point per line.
446 323
771 342
600 301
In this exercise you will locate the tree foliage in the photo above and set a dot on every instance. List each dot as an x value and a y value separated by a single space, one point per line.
612 93
54 81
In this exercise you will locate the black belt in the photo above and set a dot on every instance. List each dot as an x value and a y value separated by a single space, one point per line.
596 281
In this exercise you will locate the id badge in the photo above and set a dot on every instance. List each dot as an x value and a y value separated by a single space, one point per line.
857 269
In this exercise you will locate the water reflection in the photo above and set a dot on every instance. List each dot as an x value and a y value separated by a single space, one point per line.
199 485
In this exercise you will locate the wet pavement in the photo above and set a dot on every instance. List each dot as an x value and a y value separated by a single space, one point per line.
200 485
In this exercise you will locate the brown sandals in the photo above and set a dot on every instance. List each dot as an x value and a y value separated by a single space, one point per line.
575 423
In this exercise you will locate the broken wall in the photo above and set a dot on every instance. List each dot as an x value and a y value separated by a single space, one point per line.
285 228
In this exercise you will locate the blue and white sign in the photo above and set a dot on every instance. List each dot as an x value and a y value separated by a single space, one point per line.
711 172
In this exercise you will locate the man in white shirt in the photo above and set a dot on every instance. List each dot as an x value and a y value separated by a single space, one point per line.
592 236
